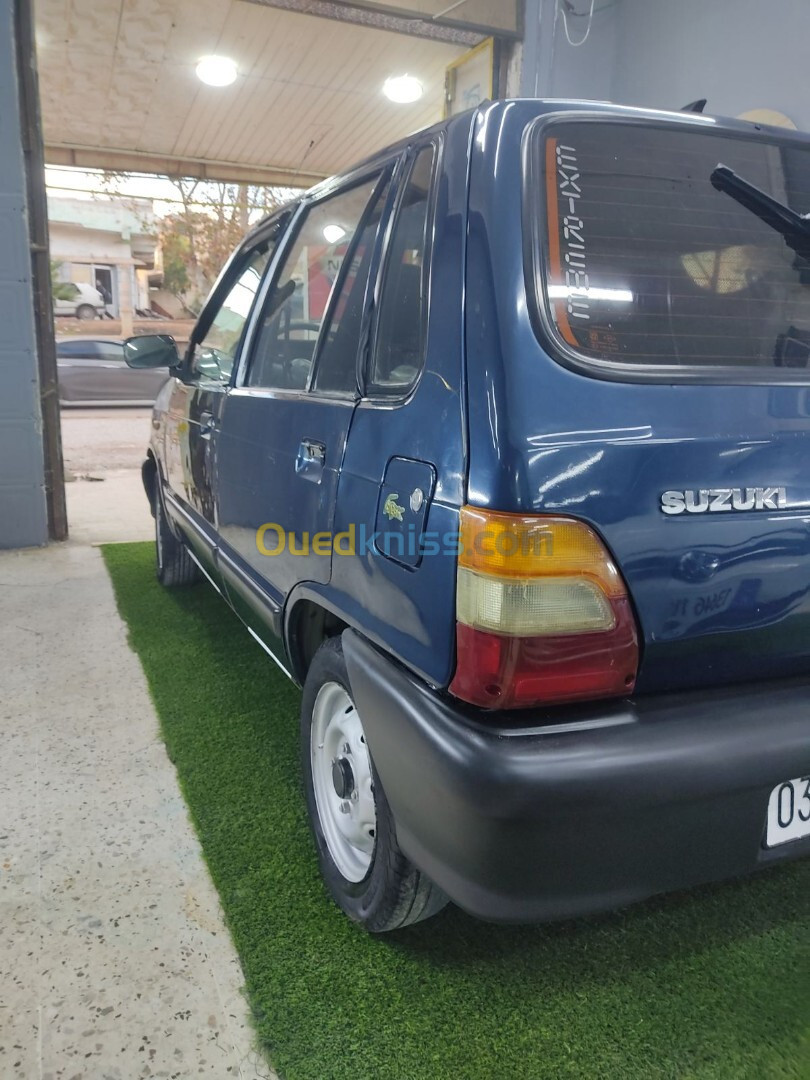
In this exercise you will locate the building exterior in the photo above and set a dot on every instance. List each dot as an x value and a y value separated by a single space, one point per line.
109 243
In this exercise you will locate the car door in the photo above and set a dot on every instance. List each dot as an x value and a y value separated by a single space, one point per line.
120 383
197 397
284 427
404 469
78 368
93 370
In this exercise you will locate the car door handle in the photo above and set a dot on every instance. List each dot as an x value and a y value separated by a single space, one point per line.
310 460
206 424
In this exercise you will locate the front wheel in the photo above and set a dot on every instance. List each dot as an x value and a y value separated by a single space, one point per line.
360 859
174 564
85 311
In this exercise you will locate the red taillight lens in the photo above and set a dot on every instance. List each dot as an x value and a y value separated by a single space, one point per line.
543 615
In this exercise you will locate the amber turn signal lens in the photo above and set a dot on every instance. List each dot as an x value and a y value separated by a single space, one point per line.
516 545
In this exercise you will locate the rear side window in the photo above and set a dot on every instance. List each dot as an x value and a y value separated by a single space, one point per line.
336 365
400 339
644 258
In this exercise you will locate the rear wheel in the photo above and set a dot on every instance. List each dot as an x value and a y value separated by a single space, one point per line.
360 859
174 564
85 311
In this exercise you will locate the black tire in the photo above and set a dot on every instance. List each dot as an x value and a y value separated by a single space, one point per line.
393 893
85 311
174 566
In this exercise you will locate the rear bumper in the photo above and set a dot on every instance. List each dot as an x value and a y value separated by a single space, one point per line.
576 811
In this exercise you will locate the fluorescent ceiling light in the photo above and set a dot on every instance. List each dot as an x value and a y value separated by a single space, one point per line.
217 70
333 234
403 89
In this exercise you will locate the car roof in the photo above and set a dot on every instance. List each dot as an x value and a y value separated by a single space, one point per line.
489 110
63 338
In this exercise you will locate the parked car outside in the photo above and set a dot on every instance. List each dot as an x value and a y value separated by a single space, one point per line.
499 444
79 299
93 371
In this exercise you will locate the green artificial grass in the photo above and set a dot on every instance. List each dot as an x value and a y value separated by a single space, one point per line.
714 983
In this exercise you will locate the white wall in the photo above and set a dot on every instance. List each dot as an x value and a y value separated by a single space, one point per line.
740 54
71 243
586 70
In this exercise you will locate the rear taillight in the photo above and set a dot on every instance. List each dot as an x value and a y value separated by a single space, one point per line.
542 613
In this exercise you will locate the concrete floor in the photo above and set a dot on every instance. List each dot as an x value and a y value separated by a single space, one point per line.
115 962
103 451
111 508
96 440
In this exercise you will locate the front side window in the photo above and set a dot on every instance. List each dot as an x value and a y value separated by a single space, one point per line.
299 301
400 340
214 356
651 252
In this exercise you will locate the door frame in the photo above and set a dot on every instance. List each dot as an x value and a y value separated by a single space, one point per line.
186 517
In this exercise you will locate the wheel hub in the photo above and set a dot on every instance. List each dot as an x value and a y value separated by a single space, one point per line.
342 777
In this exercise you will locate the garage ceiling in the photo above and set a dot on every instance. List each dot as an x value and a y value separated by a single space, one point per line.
118 86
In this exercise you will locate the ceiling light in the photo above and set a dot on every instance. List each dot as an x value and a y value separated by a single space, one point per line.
403 89
333 234
217 70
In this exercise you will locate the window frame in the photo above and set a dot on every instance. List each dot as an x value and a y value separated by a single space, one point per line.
370 391
390 164
535 257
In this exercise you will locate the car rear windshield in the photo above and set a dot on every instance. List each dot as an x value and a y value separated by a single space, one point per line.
652 253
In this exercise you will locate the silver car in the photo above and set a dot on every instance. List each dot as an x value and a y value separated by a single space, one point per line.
92 371
83 301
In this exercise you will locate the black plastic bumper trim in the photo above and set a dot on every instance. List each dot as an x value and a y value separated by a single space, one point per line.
525 818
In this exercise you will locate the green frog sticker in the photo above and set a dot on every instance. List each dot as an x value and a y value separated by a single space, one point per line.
392 509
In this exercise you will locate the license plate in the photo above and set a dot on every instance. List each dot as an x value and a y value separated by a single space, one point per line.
788 812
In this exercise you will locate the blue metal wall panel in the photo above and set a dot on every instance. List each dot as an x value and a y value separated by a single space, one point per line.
23 519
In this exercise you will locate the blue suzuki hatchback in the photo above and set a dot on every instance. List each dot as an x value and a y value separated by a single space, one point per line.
499 444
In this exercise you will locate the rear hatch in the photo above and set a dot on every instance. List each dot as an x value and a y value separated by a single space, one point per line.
665 396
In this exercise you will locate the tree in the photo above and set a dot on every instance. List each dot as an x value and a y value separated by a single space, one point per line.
175 248
208 221
211 220
60 290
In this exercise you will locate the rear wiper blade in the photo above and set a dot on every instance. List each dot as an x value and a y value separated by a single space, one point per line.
794 228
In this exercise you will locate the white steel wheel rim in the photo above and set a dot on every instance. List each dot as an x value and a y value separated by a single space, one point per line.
341 782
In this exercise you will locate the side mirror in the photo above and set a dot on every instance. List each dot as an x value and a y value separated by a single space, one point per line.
151 351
